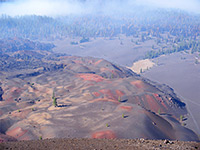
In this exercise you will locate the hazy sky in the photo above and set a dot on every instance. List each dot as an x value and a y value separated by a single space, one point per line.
65 7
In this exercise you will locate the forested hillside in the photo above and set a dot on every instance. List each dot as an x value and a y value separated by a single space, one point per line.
174 31
153 24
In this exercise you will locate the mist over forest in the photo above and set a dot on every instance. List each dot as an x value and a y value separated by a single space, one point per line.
79 7
50 20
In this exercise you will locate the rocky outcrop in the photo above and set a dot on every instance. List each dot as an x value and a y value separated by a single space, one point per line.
19 44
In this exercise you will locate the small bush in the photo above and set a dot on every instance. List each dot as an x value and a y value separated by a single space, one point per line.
55 102
181 117
40 138
119 98
159 111
123 116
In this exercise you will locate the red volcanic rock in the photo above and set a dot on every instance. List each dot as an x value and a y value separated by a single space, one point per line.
108 134
64 57
97 62
90 61
157 97
127 108
153 105
155 94
90 84
114 72
16 132
105 69
137 100
119 93
163 104
138 83
52 83
108 93
22 114
78 61
105 99
91 77
96 94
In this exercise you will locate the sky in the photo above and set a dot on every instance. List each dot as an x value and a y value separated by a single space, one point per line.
66 7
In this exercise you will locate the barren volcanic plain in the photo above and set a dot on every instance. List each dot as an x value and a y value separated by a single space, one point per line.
181 73
58 96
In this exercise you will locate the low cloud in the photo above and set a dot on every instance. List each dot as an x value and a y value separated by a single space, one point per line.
78 7
40 7
187 5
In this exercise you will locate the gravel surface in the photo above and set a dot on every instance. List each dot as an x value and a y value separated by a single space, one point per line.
99 144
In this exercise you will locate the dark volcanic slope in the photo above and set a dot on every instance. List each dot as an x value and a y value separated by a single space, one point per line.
95 99
18 44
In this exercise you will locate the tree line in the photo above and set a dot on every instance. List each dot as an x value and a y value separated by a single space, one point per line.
153 23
